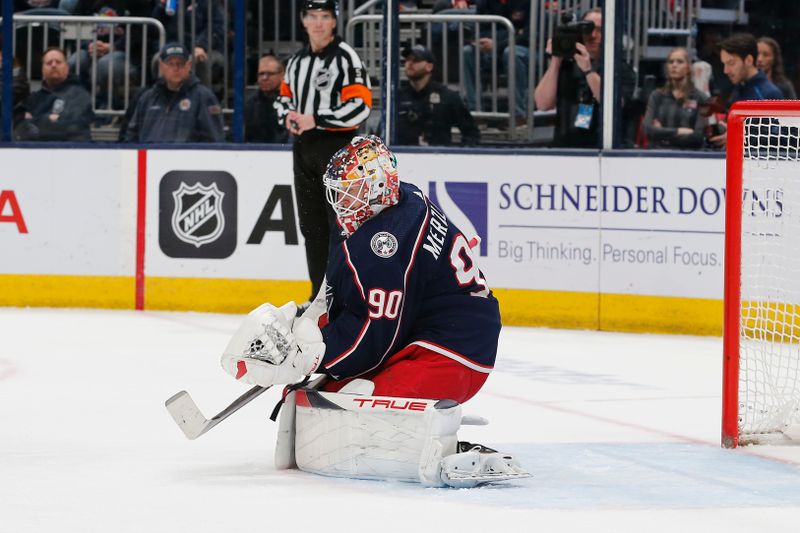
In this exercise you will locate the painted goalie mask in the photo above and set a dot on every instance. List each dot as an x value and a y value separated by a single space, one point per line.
361 181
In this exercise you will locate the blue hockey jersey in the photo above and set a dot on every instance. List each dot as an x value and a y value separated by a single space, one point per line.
407 276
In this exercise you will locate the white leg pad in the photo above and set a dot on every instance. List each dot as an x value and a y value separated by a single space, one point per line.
284 444
374 437
440 442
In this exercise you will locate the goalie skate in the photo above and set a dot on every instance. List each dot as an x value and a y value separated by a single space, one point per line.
475 464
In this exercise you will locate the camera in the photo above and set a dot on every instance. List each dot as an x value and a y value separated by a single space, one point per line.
569 33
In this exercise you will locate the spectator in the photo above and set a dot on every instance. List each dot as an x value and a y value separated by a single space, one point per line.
572 86
445 47
260 117
109 48
427 110
62 109
673 118
177 108
206 43
325 97
770 62
20 91
739 54
518 12
31 40
708 39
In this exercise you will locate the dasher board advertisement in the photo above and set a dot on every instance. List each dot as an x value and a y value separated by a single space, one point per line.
61 215
650 226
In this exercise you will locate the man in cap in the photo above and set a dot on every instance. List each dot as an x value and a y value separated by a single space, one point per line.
177 108
428 110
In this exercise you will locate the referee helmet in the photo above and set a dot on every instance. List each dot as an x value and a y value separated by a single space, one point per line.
328 5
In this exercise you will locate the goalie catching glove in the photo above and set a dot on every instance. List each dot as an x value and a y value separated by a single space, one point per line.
265 350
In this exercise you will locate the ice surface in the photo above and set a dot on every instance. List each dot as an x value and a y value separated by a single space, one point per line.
620 431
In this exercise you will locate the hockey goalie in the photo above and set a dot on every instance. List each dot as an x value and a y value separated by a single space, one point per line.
404 331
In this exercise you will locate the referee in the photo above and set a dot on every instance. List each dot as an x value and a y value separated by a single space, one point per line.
325 95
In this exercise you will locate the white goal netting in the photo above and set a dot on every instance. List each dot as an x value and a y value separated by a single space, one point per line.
769 366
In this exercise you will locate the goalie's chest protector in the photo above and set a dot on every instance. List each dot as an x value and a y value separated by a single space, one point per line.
407 276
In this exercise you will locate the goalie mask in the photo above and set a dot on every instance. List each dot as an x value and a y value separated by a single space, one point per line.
361 181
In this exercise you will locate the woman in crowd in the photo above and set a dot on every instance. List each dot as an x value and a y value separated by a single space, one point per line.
673 118
770 61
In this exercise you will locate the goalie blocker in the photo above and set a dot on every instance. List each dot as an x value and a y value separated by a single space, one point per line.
355 435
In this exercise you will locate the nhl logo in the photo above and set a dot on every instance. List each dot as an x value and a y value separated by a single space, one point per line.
197 218
323 79
384 244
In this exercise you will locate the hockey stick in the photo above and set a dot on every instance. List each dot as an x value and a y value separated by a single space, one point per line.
192 422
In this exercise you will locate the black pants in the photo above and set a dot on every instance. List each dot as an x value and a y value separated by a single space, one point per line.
312 151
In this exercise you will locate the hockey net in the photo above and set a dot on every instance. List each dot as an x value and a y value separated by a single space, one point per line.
761 384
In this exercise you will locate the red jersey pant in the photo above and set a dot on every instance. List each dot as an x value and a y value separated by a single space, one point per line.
418 372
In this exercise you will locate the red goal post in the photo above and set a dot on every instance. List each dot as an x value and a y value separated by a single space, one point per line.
761 337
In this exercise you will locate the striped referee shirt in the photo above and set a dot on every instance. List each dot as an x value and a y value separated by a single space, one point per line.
331 84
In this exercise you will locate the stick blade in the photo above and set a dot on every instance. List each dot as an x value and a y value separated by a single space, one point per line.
187 415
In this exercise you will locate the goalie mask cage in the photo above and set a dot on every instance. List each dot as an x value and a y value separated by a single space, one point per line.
761 343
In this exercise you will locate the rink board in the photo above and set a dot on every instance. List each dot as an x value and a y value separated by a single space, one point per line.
616 243
68 228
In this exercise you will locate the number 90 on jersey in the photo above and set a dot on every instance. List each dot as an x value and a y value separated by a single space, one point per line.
384 304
